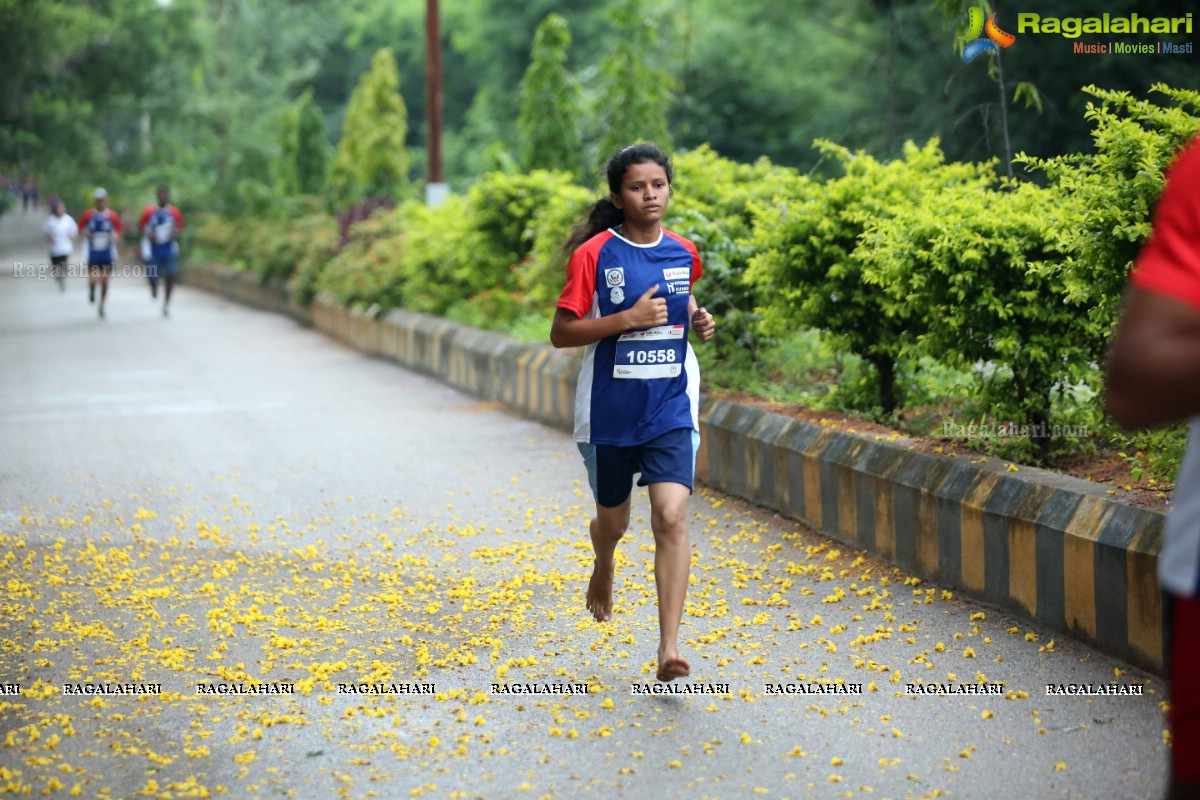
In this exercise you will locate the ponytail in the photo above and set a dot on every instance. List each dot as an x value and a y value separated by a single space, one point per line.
604 215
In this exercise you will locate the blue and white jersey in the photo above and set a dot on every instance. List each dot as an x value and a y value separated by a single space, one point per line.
100 231
161 226
162 233
635 386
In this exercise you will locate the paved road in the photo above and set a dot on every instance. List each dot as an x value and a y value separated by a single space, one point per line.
224 500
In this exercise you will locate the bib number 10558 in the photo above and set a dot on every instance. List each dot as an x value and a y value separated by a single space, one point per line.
653 353
651 356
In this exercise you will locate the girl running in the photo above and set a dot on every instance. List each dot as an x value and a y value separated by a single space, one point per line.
628 302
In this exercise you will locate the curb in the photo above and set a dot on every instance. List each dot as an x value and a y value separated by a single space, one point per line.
1050 547
272 295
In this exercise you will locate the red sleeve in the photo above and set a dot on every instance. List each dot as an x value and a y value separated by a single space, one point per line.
1169 262
85 218
146 212
690 246
580 292
178 218
116 220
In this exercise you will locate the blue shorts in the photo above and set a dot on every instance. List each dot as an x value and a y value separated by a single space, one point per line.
164 266
671 458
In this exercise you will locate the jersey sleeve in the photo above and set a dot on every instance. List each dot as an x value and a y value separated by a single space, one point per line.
690 246
577 295
146 212
116 221
178 218
85 218
1169 263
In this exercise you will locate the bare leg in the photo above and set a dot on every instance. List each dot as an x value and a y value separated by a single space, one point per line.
606 529
672 563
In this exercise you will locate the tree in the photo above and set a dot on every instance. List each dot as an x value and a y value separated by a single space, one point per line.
287 180
312 146
635 96
550 105
75 109
303 149
976 265
1115 186
371 158
810 253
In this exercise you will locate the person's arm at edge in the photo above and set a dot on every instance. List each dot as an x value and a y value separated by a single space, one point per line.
1153 369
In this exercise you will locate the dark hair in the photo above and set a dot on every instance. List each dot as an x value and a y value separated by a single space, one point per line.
604 215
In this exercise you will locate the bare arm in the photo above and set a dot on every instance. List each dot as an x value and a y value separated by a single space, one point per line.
1153 371
569 330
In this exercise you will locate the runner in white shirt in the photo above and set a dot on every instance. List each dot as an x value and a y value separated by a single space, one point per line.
60 231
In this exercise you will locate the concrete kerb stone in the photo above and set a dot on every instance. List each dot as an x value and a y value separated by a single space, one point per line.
365 330
245 288
327 316
483 363
1055 549
275 292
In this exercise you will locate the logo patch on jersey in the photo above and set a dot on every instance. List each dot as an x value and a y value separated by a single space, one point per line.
677 273
617 296
614 277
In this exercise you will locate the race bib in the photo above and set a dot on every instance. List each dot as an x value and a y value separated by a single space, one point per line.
163 231
652 353
101 241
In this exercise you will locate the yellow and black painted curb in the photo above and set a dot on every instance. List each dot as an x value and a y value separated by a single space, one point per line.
271 295
1055 549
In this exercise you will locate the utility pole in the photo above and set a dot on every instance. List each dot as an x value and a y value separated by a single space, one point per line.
436 189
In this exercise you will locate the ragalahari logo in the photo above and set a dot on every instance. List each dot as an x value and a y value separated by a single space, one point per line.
982 38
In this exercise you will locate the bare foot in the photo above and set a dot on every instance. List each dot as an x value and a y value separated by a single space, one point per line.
599 592
671 668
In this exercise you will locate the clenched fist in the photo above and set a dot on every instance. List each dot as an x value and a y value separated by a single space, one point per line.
703 324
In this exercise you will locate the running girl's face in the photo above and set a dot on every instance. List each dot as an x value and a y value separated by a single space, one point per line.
645 192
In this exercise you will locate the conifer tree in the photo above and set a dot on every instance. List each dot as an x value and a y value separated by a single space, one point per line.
371 159
635 96
303 148
548 125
